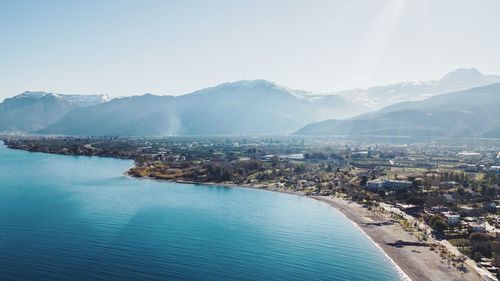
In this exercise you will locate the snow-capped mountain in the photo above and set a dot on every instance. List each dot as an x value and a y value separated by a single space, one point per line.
77 100
241 107
378 97
86 100
31 111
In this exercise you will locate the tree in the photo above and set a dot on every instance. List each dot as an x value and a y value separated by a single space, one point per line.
477 256
300 168
329 167
417 201
275 161
438 224
480 243
381 193
363 181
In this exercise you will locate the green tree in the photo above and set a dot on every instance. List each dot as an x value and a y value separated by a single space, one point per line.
438 224
480 243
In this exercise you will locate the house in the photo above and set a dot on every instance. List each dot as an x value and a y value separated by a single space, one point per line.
438 209
494 169
477 227
467 210
448 184
452 218
490 206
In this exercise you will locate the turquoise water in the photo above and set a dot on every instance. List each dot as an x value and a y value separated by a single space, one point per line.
79 218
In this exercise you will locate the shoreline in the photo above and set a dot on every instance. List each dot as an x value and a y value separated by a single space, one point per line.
402 273
411 260
404 260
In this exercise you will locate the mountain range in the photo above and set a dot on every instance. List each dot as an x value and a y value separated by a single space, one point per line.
243 107
249 107
473 112
381 96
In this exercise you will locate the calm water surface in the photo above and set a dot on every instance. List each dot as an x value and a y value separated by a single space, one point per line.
79 218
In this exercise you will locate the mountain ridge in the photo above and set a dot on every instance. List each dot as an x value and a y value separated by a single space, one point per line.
240 107
381 96
470 113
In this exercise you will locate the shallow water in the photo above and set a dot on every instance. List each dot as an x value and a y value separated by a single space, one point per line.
79 218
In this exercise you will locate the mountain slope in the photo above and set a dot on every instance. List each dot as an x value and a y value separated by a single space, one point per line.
243 107
31 111
471 112
137 115
253 107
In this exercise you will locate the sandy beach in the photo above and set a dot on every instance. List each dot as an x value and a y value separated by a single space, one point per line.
417 262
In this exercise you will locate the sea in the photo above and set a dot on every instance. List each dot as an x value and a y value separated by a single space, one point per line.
81 218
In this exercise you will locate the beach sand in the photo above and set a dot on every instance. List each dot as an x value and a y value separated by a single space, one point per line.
417 262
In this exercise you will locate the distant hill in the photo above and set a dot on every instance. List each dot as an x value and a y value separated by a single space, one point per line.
473 112
243 107
378 97
32 111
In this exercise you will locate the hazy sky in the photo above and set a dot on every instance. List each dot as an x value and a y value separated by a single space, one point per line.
174 47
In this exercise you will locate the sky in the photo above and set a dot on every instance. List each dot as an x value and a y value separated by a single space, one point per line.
174 47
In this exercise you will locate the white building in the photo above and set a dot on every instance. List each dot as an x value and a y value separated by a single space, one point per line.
451 218
387 184
397 184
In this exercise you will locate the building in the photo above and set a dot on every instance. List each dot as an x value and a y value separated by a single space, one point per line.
494 169
397 184
448 184
374 185
388 184
438 209
477 227
452 218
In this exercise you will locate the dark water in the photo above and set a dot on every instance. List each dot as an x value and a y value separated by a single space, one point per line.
79 218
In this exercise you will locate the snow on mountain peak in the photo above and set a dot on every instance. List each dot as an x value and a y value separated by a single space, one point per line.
463 74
